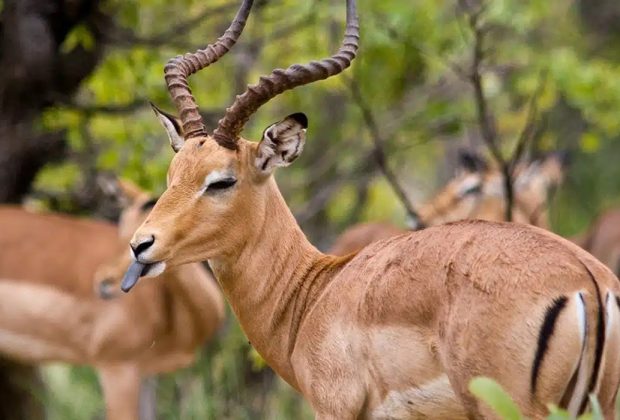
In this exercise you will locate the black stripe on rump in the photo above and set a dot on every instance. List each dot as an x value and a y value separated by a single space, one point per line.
546 331
600 341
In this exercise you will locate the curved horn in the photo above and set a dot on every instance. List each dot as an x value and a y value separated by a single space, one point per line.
280 80
179 68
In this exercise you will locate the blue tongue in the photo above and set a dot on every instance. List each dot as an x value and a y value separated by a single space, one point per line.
131 276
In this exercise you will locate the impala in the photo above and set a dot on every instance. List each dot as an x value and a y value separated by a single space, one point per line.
48 311
398 330
476 192
603 239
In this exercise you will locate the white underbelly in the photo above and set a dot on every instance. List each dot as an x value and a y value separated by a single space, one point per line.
433 400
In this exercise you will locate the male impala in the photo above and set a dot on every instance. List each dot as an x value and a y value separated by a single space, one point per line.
476 192
48 311
400 329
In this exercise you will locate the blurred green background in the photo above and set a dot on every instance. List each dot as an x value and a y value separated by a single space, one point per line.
77 75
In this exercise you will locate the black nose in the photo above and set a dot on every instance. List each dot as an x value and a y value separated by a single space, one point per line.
106 289
142 246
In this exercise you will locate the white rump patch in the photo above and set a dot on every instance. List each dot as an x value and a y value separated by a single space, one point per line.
581 384
581 315
610 316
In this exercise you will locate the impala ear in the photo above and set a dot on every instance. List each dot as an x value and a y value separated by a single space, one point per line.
470 161
123 190
173 127
282 143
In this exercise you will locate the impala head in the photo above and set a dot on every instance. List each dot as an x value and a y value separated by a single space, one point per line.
136 205
471 174
219 183
458 198
544 174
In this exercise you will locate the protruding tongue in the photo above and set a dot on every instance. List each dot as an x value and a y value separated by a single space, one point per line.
132 275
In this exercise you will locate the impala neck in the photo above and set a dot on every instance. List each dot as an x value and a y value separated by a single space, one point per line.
273 281
181 290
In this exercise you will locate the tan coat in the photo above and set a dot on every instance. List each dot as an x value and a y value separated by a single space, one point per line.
398 330
49 310
603 239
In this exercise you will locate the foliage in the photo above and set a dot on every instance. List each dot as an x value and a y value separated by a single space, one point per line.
493 395
405 70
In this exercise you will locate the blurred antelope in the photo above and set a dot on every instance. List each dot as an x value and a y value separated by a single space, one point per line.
48 311
603 239
398 330
476 192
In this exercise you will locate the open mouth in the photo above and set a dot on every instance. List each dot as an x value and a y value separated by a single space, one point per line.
138 269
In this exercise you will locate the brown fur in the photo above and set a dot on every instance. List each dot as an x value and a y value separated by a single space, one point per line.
603 239
49 310
404 325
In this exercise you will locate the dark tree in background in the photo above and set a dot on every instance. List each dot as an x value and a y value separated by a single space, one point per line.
36 73
405 74
601 16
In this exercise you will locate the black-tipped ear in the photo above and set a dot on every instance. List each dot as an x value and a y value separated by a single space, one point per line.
282 142
300 117
471 161
172 126
123 191
564 157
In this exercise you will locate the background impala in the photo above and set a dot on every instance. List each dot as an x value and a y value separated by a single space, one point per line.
475 193
77 77
50 311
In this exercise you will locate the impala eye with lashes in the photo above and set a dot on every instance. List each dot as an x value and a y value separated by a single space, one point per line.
221 185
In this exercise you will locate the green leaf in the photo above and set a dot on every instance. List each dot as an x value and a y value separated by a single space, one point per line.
80 35
590 142
557 413
597 413
491 393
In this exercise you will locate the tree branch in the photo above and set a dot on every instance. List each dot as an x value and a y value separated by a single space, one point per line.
113 109
529 128
379 155
123 36
210 116
486 120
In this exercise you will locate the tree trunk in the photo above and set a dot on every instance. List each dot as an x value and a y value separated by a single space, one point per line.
21 392
35 73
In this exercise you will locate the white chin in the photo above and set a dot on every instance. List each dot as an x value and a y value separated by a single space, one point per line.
154 270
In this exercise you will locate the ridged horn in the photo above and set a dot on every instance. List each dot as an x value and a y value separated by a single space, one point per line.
179 68
281 80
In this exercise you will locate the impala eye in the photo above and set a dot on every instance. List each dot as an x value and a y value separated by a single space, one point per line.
221 184
149 204
472 189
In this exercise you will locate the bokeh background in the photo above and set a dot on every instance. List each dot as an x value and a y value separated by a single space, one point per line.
76 77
